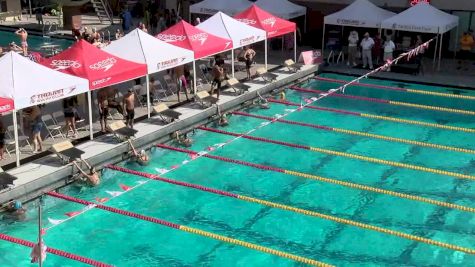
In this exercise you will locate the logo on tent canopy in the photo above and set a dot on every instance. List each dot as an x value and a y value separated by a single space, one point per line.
248 40
97 82
169 63
51 96
105 64
248 21
269 21
208 10
202 37
5 108
171 38
62 64
353 22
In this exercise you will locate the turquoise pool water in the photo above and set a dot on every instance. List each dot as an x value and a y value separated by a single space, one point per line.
125 241
35 42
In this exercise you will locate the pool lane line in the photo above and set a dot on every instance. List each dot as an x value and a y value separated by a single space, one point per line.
357 133
346 155
328 180
334 218
274 205
378 117
377 86
385 101
54 251
193 230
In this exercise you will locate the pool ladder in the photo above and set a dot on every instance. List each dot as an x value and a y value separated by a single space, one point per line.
50 25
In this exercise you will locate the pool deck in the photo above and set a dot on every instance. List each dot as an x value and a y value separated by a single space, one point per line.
48 173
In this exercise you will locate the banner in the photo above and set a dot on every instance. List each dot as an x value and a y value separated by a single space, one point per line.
311 57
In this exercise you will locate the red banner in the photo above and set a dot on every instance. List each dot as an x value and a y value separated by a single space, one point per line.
415 2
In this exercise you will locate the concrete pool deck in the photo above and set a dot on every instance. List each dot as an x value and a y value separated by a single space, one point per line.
48 173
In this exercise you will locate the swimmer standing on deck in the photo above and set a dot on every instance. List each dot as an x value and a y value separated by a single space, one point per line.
24 40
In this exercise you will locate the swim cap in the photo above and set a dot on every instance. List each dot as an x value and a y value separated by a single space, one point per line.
17 205
142 152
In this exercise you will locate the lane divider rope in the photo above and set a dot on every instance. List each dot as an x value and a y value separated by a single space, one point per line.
55 251
377 86
193 230
357 133
389 102
329 217
328 180
378 117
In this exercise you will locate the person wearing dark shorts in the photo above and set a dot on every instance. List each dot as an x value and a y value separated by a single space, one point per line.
69 115
34 115
103 109
2 140
129 106
248 66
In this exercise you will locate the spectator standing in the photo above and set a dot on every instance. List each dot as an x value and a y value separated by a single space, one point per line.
367 45
388 47
466 44
126 17
352 47
377 48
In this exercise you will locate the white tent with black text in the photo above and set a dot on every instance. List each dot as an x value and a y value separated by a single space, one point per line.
424 18
29 84
141 47
238 32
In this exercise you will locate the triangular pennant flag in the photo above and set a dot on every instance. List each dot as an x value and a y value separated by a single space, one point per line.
125 187
114 193
101 200
72 213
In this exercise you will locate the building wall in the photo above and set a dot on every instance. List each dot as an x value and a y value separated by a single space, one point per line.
13 5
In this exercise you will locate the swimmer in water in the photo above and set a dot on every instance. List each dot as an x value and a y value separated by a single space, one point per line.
264 104
16 211
36 252
140 157
223 120
92 178
182 139
282 95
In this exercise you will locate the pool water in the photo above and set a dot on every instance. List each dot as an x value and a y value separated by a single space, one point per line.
125 241
35 42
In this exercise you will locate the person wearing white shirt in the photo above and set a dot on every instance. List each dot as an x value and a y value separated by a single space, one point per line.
367 44
352 47
388 50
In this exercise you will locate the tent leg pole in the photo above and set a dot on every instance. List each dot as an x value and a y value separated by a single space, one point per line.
89 103
456 41
147 81
295 46
435 50
440 51
194 78
265 53
17 146
305 24
323 42
232 62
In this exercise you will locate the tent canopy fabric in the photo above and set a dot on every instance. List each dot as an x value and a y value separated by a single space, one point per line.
240 33
202 43
141 47
422 17
282 8
211 7
99 67
361 13
257 17
24 83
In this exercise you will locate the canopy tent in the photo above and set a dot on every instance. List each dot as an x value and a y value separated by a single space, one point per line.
239 33
272 25
100 68
24 83
433 21
361 13
141 47
283 9
202 43
211 7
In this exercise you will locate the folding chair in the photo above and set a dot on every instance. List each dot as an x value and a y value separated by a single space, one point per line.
206 78
166 114
171 85
22 137
66 151
267 76
81 122
121 131
51 126
238 87
58 119
139 94
292 66
160 90
204 97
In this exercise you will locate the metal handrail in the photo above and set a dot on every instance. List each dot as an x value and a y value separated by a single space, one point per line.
44 26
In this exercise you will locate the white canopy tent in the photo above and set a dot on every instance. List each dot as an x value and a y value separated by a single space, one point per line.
211 7
284 9
361 13
424 18
240 33
141 47
30 84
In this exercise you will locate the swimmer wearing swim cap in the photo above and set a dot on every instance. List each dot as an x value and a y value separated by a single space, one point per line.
16 211
282 95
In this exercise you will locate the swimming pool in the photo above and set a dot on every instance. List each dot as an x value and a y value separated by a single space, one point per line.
35 42
369 161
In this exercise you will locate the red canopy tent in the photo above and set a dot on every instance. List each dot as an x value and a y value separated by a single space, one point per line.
273 25
187 36
99 67
6 105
